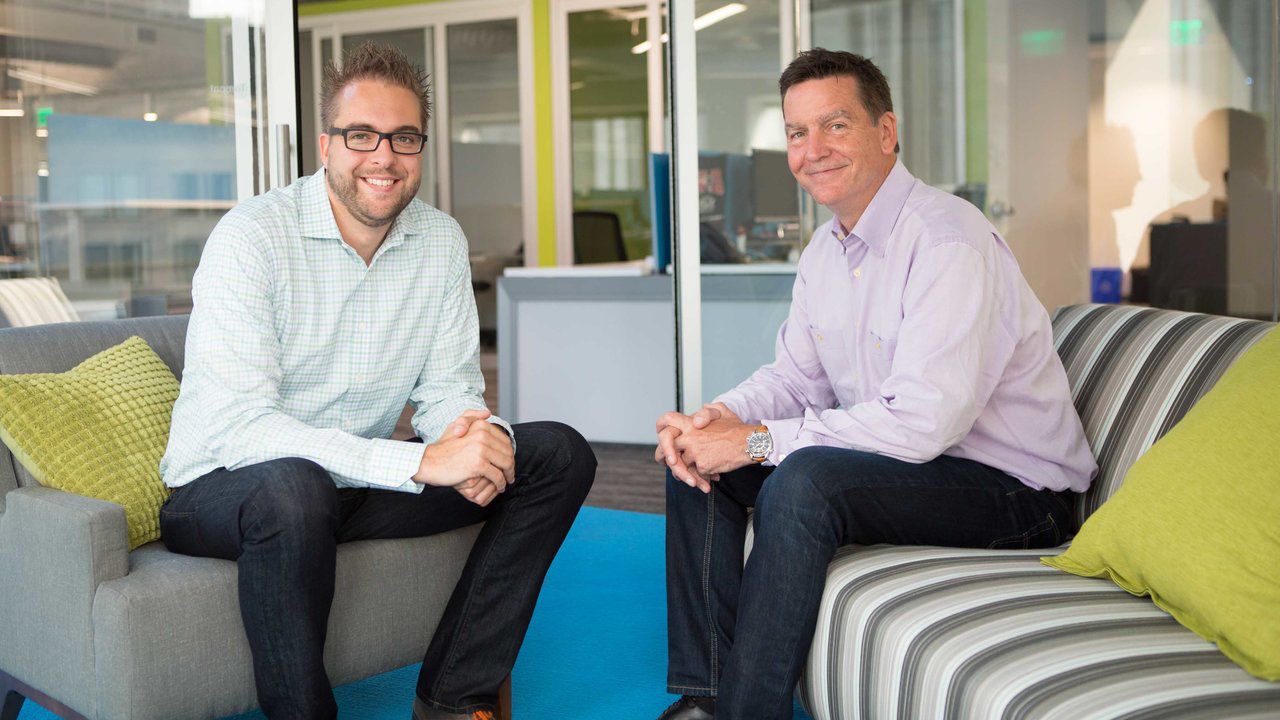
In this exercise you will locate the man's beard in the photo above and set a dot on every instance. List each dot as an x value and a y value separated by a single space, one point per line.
345 188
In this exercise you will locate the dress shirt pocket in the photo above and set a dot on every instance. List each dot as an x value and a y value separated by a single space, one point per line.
880 350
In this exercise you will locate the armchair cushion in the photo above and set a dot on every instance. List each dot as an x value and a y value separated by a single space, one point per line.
98 429
1194 525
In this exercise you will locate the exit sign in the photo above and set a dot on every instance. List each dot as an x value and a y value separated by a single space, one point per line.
1186 32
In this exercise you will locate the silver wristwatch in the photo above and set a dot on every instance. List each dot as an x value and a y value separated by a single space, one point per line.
759 444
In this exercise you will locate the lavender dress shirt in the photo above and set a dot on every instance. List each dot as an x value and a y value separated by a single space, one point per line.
913 336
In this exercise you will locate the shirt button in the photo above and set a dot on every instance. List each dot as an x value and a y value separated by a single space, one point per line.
819 337
857 272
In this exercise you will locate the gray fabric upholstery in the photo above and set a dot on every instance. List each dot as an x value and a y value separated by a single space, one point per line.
169 632
60 347
55 549
154 635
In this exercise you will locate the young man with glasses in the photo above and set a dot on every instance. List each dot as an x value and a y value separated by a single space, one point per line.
320 309
916 399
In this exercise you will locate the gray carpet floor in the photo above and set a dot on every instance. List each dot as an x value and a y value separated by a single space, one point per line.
627 478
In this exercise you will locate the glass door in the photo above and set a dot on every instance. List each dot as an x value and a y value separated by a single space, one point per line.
1125 151
126 139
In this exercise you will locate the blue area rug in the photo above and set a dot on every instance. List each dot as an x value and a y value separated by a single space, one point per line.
596 649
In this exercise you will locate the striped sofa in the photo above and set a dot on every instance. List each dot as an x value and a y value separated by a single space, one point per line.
935 633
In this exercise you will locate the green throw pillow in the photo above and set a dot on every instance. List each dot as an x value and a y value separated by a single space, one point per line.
98 429
1196 524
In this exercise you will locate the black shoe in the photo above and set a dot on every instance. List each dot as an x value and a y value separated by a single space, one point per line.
690 708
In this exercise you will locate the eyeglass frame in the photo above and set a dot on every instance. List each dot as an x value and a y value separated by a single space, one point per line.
381 136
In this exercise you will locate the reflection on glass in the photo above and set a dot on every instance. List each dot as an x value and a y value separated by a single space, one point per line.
749 201
1196 235
119 158
609 114
1122 148
484 129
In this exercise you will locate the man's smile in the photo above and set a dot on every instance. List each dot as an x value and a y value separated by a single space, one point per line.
380 184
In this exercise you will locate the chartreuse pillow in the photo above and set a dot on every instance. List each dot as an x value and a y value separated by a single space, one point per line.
1196 524
98 429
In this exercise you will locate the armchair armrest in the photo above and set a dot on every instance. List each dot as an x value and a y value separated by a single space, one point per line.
55 548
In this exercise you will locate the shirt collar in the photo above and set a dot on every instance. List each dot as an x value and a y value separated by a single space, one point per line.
877 221
315 214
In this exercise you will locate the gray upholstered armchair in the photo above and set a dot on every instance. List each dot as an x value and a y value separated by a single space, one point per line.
89 629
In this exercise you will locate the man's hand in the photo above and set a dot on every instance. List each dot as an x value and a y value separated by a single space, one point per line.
711 412
673 425
670 426
459 426
718 448
479 463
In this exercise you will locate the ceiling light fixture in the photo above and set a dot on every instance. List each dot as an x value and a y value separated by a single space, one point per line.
56 83
150 116
723 12
12 112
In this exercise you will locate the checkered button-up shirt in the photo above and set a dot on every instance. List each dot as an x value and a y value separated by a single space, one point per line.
296 348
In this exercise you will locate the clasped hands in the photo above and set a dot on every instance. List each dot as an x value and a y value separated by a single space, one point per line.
699 447
473 456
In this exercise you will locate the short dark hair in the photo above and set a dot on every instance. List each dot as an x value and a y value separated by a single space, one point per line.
373 61
819 63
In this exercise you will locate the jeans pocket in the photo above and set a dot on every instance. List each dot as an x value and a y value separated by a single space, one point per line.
1032 512
179 530
1043 534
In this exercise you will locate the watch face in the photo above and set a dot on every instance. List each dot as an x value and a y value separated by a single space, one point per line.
759 444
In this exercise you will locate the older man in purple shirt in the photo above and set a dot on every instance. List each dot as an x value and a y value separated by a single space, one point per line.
916 399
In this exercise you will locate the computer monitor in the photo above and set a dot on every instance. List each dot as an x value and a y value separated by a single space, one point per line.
1189 266
774 194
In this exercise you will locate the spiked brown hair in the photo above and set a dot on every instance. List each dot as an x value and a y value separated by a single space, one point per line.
373 61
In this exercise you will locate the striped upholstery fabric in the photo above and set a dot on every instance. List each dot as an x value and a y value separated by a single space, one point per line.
34 301
926 632
1135 372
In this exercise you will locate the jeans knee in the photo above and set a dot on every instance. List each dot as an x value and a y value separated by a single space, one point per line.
298 495
790 496
568 453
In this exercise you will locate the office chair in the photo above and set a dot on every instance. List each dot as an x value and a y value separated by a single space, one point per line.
597 237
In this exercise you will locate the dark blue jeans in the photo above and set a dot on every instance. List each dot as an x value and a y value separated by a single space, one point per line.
743 634
281 522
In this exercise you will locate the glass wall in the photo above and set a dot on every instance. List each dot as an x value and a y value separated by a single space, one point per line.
1125 149
748 200
609 116
484 142
126 130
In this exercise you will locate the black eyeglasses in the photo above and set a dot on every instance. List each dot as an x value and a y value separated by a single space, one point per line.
365 140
